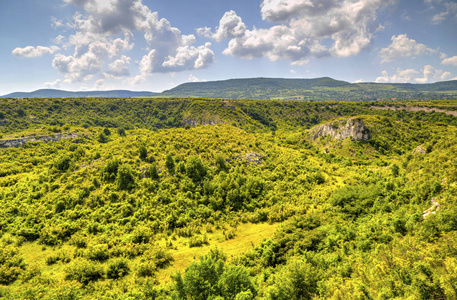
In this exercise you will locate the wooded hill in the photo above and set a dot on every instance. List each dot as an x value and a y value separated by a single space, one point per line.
280 89
140 200
313 89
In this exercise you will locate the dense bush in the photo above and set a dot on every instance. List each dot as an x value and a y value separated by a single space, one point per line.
84 271
117 269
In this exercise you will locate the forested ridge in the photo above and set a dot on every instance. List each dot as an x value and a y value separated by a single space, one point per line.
226 199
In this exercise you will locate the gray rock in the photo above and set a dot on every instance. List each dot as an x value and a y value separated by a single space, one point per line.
19 142
342 129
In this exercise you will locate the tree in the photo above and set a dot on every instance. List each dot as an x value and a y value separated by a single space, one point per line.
143 152
170 163
220 162
102 138
200 279
106 131
124 179
235 280
62 163
121 131
153 173
195 169
395 170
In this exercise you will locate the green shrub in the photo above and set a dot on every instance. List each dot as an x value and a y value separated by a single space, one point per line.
11 264
170 163
84 271
153 173
143 152
117 269
146 268
98 252
235 280
121 131
198 240
109 172
62 163
195 169
124 179
102 138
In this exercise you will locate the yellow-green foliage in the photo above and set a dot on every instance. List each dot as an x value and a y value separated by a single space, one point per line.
280 216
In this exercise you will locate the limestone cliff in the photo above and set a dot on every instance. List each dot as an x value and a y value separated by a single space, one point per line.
342 129
23 141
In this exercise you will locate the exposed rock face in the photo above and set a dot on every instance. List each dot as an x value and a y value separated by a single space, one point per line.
419 150
252 158
341 129
22 141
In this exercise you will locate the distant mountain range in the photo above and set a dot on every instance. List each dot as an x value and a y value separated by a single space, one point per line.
51 93
278 89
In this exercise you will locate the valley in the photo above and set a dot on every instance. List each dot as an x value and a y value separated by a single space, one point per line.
196 198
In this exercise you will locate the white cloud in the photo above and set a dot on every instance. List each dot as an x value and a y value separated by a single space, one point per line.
401 76
100 34
119 68
448 9
189 58
426 75
230 26
305 28
192 78
431 74
31 51
204 31
452 61
57 84
403 46
56 23
99 84
59 39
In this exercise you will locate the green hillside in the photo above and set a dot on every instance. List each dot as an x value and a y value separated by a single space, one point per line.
226 199
312 89
276 89
51 93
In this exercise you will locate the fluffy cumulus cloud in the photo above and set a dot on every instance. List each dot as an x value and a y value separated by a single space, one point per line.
403 46
31 51
101 34
452 61
230 26
302 28
426 75
119 68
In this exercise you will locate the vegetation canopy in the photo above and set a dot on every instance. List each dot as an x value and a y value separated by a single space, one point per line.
112 198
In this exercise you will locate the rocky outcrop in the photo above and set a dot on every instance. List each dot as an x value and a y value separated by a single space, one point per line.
419 150
251 158
433 209
23 141
194 122
4 122
342 129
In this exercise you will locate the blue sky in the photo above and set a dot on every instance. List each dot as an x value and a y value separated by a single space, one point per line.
155 45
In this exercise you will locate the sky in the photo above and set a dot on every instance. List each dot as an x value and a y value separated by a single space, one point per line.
155 45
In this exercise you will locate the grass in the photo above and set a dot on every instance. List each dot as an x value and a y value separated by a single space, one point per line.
246 236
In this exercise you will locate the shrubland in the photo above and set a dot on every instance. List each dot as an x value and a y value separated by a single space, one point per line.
212 199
